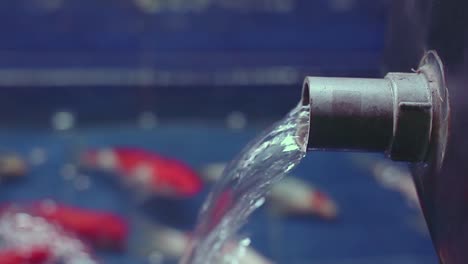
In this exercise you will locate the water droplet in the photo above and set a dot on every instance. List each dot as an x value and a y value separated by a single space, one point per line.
69 171
236 121
63 120
260 202
82 182
147 120
37 156
51 5
149 6
342 5
290 167
245 242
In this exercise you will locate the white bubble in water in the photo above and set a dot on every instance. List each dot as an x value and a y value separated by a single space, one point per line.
245 242
50 5
63 120
82 182
37 156
68 171
342 5
147 120
148 6
236 120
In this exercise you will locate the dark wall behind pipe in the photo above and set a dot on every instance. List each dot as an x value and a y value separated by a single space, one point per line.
448 31
441 25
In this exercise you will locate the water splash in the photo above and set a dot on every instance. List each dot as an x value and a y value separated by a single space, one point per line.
244 184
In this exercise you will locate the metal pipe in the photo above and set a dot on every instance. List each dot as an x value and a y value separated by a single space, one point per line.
394 115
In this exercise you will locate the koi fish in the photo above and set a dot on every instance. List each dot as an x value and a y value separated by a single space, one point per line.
35 255
150 171
294 196
103 229
38 240
12 166
289 196
172 243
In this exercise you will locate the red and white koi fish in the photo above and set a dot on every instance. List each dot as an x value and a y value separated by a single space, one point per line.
294 196
12 166
38 240
289 196
172 243
102 229
152 172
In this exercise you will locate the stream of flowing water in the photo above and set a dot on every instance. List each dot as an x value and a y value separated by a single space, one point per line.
243 186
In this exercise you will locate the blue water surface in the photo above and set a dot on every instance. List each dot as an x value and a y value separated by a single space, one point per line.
374 226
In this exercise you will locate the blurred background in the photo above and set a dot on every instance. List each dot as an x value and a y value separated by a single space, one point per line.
194 81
